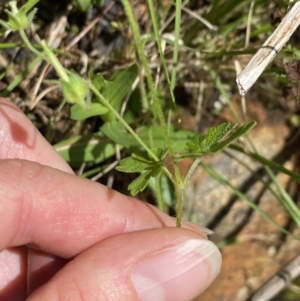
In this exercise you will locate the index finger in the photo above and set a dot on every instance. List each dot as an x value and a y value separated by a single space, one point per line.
63 214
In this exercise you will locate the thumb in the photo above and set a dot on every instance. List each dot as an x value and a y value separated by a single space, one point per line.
167 264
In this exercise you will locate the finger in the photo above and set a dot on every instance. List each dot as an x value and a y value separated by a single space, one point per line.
157 264
13 268
41 267
20 139
17 135
63 214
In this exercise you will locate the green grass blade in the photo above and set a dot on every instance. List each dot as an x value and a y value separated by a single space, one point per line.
225 183
286 201
268 162
176 42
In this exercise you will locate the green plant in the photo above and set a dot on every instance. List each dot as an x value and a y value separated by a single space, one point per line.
95 96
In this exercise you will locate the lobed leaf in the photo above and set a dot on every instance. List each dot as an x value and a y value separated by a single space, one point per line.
217 134
143 164
133 164
240 132
213 141
139 163
140 183
204 143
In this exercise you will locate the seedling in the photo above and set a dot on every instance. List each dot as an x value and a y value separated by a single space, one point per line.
93 95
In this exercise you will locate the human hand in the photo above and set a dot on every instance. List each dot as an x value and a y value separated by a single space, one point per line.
67 238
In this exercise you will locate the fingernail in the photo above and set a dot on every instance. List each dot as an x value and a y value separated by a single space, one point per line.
180 272
198 227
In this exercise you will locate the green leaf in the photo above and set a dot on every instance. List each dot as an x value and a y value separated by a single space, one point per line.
13 21
140 183
193 144
216 134
167 189
91 149
117 133
17 18
83 5
80 113
4 25
143 164
161 153
132 164
117 87
139 163
213 141
156 170
204 143
142 157
29 5
31 16
177 137
98 81
240 132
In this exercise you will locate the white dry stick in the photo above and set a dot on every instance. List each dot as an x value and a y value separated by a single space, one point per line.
279 282
265 55
201 19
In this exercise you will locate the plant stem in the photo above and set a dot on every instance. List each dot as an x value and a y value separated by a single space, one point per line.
129 129
138 43
140 49
158 42
120 118
181 156
168 174
179 204
29 45
49 57
191 171
53 60
160 202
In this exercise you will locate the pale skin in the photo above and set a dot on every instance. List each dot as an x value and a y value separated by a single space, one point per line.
68 238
